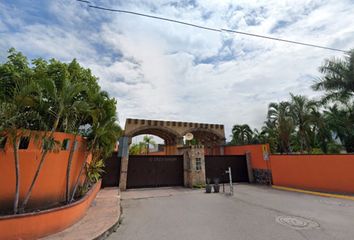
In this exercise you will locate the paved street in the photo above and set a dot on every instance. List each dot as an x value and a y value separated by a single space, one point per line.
253 213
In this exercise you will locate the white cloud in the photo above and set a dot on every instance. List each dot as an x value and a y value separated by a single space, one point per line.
168 71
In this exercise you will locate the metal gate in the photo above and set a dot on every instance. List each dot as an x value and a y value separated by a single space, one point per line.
215 167
154 171
111 175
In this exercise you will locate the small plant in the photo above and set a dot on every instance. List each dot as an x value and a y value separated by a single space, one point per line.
216 185
208 187
94 170
199 185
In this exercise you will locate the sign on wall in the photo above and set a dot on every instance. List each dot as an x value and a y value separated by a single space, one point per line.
265 152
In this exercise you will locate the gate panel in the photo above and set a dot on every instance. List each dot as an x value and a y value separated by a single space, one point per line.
154 171
215 167
111 175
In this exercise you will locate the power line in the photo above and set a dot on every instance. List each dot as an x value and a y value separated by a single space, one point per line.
209 28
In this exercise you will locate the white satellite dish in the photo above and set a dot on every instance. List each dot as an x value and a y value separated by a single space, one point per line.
189 136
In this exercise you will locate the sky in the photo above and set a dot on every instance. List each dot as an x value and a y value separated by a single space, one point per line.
166 71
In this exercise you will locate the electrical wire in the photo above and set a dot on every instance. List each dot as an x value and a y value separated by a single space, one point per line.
209 28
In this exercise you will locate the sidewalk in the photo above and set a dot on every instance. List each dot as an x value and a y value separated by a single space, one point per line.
100 220
141 193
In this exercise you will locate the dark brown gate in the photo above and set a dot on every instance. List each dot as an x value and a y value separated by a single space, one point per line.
111 175
215 167
154 171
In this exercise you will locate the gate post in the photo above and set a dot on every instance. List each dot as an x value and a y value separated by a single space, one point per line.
249 167
194 165
123 152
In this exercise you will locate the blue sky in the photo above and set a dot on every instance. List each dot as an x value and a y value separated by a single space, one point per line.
160 70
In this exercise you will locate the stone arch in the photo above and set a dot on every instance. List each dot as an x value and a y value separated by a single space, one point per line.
172 132
214 136
170 136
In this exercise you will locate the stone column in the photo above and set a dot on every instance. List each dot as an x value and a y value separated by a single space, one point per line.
123 153
123 173
194 165
249 167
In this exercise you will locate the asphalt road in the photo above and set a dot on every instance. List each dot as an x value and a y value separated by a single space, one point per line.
253 213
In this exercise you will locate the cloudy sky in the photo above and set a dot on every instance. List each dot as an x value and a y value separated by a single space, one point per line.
161 70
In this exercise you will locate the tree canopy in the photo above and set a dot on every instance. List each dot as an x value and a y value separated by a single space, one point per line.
52 96
312 126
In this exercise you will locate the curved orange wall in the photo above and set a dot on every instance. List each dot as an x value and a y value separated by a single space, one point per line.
256 152
36 225
50 186
333 173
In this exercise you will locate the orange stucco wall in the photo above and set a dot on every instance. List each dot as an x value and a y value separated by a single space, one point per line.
256 152
161 153
333 173
36 225
50 186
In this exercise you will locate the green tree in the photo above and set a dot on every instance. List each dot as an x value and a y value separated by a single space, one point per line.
241 134
341 123
301 111
270 135
322 134
337 83
17 102
102 134
148 141
52 96
279 116
137 148
338 79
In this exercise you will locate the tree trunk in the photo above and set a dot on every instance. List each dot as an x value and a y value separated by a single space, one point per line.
39 168
34 180
78 178
17 173
82 169
68 170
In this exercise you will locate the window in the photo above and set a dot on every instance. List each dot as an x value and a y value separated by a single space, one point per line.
2 142
198 164
65 144
24 142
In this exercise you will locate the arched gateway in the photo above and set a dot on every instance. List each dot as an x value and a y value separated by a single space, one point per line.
209 136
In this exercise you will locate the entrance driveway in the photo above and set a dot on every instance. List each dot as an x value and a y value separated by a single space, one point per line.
253 213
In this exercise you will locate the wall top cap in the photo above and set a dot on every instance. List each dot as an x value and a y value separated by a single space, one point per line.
153 122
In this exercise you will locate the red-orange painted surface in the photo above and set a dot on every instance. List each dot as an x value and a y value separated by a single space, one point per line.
216 150
170 150
332 173
256 152
161 153
36 225
50 186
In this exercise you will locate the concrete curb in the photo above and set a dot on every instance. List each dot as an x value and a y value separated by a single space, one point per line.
114 227
314 193
102 218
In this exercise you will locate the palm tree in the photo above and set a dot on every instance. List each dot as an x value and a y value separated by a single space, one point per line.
17 107
321 132
301 109
270 134
148 141
104 131
62 96
279 115
341 122
137 148
338 79
241 134
54 96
